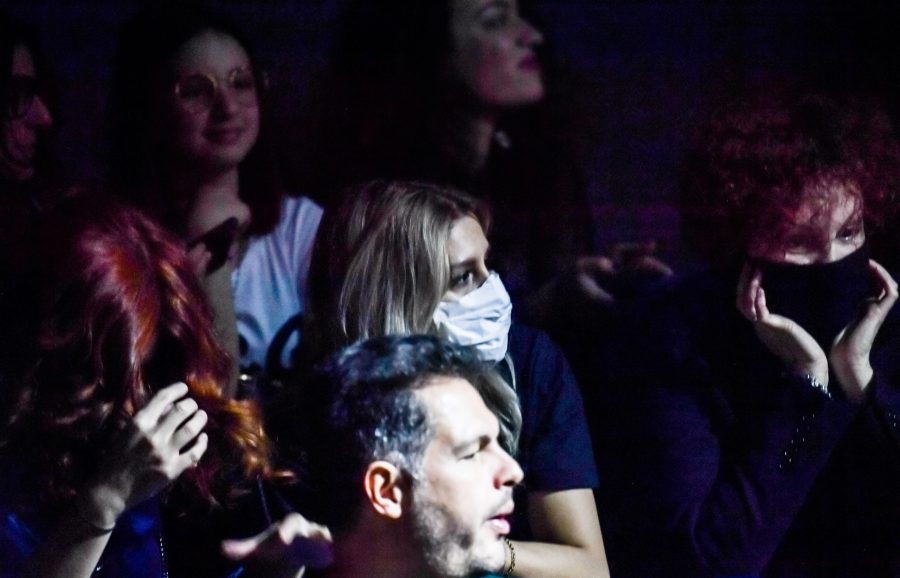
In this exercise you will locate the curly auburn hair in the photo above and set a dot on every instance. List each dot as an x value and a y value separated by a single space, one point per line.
759 160
120 314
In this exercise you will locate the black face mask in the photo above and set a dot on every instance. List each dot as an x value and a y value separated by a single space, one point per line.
822 298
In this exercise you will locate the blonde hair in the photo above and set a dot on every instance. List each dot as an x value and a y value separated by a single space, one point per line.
380 265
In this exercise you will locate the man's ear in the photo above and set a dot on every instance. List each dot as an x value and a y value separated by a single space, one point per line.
384 484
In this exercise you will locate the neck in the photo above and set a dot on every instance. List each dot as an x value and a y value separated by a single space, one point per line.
385 553
465 139
205 199
201 183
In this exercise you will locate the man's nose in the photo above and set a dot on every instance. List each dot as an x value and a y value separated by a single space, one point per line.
509 472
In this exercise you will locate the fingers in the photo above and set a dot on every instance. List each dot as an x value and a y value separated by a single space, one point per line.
189 430
624 252
887 284
588 268
192 457
176 415
240 549
594 264
151 413
747 293
761 308
294 541
172 424
861 333
592 290
294 525
648 264
200 257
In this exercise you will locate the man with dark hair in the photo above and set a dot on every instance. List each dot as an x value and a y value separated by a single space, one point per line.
406 463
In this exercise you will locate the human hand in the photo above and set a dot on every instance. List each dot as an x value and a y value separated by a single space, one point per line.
786 339
218 244
285 549
161 441
211 208
850 353
200 257
601 277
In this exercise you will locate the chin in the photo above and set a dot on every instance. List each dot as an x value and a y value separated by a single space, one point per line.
532 91
224 158
493 562
491 552
523 95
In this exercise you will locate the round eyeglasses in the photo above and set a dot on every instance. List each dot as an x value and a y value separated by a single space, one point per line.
198 92
22 90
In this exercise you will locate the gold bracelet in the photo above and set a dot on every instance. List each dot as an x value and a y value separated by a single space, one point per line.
512 557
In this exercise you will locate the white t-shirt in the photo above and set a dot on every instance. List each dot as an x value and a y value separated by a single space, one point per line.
269 284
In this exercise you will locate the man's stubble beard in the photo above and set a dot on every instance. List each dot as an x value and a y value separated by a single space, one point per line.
446 546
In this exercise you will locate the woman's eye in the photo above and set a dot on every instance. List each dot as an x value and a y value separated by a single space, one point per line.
849 233
195 87
495 18
244 82
461 280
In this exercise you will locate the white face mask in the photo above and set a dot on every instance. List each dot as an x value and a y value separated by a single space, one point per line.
480 318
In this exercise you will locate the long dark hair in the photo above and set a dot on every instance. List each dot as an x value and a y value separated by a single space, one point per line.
147 43
371 110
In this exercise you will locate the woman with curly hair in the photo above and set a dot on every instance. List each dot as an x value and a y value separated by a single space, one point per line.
117 436
764 436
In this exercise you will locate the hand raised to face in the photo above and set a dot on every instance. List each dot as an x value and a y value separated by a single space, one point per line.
162 440
849 354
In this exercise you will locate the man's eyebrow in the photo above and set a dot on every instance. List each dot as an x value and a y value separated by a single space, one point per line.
477 442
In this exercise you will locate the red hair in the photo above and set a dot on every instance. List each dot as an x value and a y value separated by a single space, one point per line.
120 314
758 161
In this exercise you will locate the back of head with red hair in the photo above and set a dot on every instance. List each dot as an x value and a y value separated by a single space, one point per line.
116 313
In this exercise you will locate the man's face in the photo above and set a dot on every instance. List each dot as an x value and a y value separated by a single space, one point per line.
463 497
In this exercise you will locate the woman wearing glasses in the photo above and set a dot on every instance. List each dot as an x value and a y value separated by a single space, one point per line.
25 119
189 145
26 109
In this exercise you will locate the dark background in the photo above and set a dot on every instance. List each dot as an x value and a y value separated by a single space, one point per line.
659 66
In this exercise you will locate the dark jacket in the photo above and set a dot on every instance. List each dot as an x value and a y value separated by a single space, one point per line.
728 465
